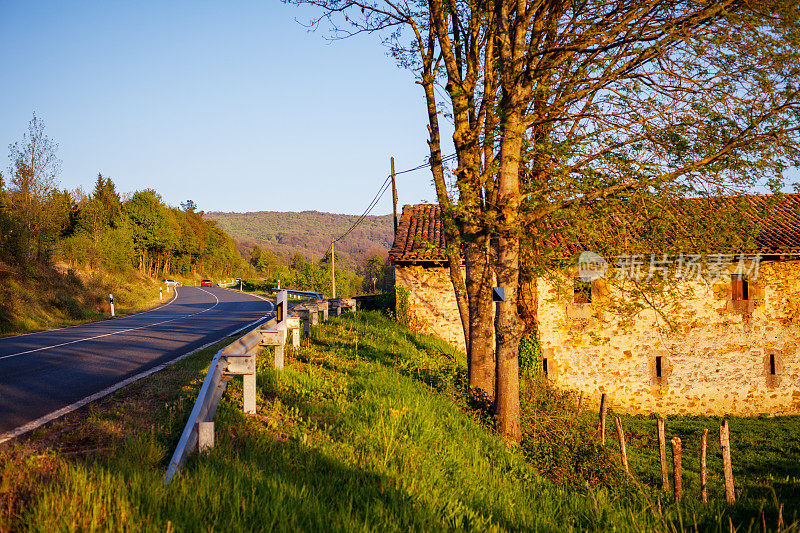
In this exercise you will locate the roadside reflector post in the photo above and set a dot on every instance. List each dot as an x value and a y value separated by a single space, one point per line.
205 436
111 300
161 293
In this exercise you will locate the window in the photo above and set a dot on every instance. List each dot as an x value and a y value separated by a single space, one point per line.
582 291
544 367
772 364
740 290
658 366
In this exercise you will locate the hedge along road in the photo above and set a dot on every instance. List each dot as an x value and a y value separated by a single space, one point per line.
45 375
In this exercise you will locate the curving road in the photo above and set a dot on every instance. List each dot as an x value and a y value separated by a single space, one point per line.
47 372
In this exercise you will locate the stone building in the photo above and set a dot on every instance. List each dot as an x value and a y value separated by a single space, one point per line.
732 348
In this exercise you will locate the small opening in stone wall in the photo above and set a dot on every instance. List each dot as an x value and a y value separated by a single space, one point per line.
740 289
772 364
582 291
544 367
658 366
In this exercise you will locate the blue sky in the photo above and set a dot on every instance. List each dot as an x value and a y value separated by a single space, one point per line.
237 107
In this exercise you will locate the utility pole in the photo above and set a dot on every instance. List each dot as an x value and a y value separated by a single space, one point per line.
394 199
333 270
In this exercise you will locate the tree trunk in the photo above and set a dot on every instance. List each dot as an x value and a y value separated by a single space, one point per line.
481 369
508 331
452 237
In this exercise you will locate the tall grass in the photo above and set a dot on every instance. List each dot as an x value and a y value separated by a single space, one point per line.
38 297
369 427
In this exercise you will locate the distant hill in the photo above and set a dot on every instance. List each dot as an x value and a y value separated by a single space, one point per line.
307 232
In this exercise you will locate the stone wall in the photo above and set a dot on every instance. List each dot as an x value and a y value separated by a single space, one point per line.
719 359
432 306
723 357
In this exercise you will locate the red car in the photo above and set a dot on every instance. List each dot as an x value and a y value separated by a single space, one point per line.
205 283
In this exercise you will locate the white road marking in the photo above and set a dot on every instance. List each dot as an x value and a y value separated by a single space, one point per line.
43 348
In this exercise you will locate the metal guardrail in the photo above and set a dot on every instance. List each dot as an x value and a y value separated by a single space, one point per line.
239 358
306 294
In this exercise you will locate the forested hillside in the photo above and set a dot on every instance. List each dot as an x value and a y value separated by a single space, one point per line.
295 248
307 232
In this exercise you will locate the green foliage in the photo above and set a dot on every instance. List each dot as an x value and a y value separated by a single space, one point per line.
530 355
401 305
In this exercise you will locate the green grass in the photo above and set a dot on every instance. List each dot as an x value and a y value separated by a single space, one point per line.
368 428
40 297
765 453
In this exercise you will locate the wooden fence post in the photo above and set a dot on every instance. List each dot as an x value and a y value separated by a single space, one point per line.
703 469
623 452
725 443
676 468
601 427
662 448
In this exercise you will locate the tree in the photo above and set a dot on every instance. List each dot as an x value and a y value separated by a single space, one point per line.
581 109
34 171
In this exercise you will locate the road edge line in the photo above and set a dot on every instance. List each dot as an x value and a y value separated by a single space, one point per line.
42 420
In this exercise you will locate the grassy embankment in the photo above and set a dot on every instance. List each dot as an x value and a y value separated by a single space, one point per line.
40 297
368 428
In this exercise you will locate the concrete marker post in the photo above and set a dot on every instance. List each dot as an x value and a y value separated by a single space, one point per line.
249 393
205 436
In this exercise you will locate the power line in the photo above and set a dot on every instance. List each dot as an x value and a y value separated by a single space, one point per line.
382 190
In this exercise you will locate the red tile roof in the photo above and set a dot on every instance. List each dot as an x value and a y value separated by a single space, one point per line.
420 236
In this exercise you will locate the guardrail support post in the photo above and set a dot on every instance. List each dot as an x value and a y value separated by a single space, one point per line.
249 393
205 436
305 318
293 323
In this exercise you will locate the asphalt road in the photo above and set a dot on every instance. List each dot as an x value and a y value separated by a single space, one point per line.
41 373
